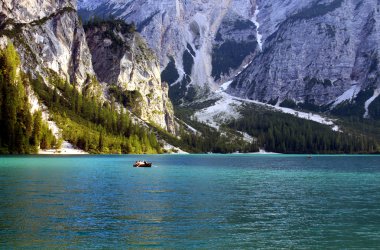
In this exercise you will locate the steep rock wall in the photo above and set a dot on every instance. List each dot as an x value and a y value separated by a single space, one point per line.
122 58
49 36
185 33
314 52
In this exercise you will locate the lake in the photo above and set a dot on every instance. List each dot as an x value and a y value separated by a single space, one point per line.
190 201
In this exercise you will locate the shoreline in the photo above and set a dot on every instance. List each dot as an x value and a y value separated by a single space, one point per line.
54 152
66 149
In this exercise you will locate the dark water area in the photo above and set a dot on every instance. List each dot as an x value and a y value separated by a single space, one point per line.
190 201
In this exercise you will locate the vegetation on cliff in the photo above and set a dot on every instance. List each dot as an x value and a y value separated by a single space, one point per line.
92 124
21 132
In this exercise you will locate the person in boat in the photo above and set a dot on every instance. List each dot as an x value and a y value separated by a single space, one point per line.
140 163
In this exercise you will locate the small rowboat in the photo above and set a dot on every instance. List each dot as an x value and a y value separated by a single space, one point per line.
142 164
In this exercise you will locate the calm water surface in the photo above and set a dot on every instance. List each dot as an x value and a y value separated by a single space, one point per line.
236 201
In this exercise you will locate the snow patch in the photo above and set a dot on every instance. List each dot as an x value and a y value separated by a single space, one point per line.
257 24
227 107
305 115
223 110
224 86
369 101
89 4
350 94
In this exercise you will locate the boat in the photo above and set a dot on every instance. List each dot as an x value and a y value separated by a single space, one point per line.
142 164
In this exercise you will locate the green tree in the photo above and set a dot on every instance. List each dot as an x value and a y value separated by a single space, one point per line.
37 129
101 141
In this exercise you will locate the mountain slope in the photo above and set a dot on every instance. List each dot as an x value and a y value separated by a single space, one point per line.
339 53
102 88
317 54
193 35
122 59
57 64
48 37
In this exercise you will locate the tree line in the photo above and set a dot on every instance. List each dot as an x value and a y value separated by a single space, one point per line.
283 133
91 124
21 132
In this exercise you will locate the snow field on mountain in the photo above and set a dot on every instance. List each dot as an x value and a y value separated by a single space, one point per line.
227 107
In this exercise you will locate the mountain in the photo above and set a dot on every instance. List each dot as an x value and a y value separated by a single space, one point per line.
67 77
226 60
319 55
199 43
242 75
48 35
121 58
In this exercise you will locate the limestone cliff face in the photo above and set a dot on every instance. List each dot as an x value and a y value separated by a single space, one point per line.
122 58
190 37
314 52
49 36
309 51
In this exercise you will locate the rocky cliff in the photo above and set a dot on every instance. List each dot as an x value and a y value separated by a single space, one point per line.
122 59
49 36
199 43
50 39
314 52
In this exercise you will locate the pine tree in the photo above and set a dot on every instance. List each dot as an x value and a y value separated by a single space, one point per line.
37 129
101 141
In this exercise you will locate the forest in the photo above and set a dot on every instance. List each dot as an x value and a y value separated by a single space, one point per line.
91 124
21 132
98 126
207 139
283 133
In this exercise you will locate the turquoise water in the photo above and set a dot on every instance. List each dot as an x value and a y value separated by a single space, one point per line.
205 201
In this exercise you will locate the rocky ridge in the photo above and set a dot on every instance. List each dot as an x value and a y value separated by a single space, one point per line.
48 35
50 39
122 59
313 53
189 37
